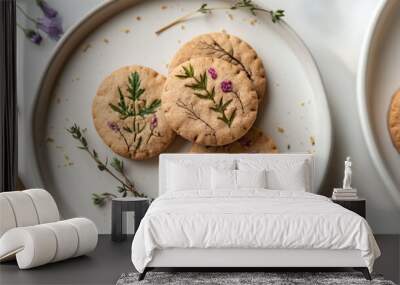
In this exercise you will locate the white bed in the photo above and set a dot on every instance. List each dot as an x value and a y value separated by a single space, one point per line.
250 226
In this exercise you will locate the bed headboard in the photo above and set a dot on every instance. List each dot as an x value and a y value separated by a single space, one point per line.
209 158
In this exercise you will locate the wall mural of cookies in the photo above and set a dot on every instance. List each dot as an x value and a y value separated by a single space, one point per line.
128 93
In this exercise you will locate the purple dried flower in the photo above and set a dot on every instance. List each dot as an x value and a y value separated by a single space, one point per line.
213 73
113 126
153 122
48 11
51 26
226 86
34 36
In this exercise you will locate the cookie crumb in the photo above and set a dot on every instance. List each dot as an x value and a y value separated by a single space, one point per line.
86 47
223 31
126 31
312 140
230 16
288 146
106 41
163 7
138 18
253 22
50 140
280 130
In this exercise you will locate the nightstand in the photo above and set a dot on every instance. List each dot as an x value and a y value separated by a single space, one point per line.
357 205
129 204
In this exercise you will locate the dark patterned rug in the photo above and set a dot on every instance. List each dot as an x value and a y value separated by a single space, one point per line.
244 278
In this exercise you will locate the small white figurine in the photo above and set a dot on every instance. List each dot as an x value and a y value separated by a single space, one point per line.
347 174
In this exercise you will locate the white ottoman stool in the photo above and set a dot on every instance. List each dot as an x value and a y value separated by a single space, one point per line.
31 233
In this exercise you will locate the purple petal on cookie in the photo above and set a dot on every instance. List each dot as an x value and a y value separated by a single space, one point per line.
154 122
113 126
226 86
213 73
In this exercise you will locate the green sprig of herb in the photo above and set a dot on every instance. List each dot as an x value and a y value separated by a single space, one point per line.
126 185
200 88
276 15
136 107
221 108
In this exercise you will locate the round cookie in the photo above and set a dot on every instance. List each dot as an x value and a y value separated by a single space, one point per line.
209 101
394 120
253 142
229 48
127 113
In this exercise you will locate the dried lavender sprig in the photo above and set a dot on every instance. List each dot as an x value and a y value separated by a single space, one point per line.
240 4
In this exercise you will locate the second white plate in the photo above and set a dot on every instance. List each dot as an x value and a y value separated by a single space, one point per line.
378 79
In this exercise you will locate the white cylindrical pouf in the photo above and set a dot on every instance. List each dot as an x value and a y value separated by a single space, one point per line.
38 245
7 218
23 208
67 239
45 205
87 234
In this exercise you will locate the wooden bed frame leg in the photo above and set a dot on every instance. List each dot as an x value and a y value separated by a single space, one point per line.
143 274
364 271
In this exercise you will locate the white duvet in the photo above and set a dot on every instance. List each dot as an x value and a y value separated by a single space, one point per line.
253 218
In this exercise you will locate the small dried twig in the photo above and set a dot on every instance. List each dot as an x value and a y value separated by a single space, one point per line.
240 4
126 185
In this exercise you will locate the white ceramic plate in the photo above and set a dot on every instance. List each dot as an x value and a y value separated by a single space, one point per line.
111 37
378 79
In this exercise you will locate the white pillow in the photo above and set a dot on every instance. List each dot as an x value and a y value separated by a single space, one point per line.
185 175
251 178
293 179
223 179
281 174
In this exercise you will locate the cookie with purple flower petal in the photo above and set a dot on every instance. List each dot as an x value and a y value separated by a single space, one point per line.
127 113
209 101
228 48
254 141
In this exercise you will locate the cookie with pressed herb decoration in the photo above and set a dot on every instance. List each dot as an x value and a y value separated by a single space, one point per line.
209 101
228 48
127 113
254 141
394 120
